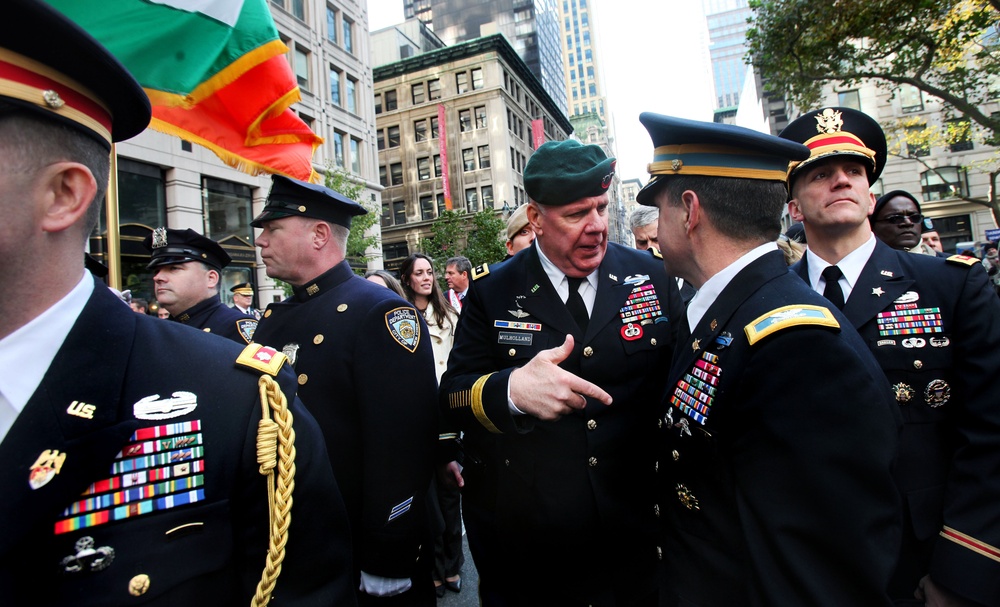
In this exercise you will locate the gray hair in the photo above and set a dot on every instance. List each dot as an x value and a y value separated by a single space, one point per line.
462 264
643 216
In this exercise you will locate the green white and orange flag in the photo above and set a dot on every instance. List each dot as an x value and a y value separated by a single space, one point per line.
216 73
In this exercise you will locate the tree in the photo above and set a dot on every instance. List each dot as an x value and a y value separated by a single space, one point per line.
949 49
476 236
446 238
359 241
485 244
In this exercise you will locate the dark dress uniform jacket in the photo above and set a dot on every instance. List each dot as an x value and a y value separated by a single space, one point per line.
574 499
945 374
205 541
212 317
374 395
781 446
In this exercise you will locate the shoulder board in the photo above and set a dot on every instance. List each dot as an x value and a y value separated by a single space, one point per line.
656 252
963 260
789 316
480 271
261 358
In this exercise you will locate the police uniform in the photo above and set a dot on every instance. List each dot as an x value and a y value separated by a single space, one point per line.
131 478
563 512
365 369
779 475
245 288
933 325
167 247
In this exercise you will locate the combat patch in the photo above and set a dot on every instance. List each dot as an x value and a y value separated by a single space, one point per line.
404 327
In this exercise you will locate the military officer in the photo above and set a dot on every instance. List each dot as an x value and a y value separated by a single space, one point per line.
187 268
555 378
366 370
130 474
934 327
243 300
782 495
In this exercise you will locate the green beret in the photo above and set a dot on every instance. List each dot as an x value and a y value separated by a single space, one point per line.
561 172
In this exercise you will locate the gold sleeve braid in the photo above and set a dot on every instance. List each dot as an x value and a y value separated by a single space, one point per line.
477 405
275 448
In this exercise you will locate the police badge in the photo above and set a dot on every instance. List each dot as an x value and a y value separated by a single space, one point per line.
404 327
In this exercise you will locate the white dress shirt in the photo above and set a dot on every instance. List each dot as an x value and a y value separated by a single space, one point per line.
710 291
850 266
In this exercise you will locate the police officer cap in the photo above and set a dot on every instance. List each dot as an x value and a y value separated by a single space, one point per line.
169 246
838 131
244 288
291 197
690 147
52 68
561 172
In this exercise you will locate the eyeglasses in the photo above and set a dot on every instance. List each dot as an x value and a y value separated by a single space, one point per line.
898 219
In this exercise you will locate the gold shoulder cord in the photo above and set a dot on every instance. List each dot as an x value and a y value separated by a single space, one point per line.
275 447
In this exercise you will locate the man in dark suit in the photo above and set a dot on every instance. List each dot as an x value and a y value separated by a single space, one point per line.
129 445
555 378
187 268
934 326
366 371
780 478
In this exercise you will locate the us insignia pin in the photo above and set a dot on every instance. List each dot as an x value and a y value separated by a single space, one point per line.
886 273
48 464
81 410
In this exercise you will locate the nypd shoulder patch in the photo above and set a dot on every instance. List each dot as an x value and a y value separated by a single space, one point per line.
261 358
404 327
789 316
245 327
963 260
480 271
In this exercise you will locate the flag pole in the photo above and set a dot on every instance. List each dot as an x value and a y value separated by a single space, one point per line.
111 221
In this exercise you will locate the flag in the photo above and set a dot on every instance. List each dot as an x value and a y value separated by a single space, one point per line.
216 74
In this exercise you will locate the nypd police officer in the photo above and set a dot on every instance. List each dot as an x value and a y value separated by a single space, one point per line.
555 378
366 370
187 269
934 326
780 482
129 445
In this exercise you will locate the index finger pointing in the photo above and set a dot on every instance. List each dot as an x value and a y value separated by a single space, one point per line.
585 388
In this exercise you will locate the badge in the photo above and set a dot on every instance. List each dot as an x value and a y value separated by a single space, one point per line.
940 342
903 393
518 313
885 342
908 297
81 410
878 291
613 277
886 273
713 325
151 407
914 342
87 558
159 238
245 327
937 393
291 352
687 498
724 340
631 332
695 345
48 464
404 327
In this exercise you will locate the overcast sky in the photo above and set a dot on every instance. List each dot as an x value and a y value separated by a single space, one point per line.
654 56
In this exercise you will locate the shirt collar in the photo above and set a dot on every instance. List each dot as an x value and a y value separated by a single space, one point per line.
714 286
558 278
851 266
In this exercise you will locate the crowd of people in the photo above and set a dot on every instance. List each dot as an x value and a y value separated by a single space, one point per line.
724 415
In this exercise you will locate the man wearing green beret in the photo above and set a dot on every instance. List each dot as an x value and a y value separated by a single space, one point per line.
555 378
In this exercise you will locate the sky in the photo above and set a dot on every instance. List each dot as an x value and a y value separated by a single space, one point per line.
654 58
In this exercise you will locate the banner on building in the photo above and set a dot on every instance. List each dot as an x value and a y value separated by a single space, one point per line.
216 73
537 133
443 150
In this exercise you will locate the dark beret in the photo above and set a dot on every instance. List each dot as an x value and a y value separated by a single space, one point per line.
838 131
52 68
168 246
292 197
561 172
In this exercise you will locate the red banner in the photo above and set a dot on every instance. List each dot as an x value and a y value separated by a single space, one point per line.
537 133
443 149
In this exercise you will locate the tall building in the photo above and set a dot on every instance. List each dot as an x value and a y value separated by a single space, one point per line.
460 121
531 27
164 181
589 128
580 59
402 41
630 187
727 26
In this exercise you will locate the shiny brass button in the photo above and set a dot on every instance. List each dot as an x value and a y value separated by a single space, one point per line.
342 307
267 313
652 341
593 462
511 352
659 553
591 424
588 352
138 585
318 339
656 510
303 378
207 329
918 364
674 454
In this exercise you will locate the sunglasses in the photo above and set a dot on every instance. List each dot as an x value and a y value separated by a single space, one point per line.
899 219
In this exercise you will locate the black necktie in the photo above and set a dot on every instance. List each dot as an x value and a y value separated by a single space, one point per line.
833 292
575 305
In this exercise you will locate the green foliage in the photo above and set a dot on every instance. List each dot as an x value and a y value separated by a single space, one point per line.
446 236
485 243
476 236
358 242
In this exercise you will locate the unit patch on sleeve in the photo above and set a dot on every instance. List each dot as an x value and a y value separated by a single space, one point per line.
404 327
246 327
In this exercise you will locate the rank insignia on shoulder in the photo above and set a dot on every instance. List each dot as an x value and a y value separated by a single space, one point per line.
789 316
404 327
480 271
655 252
261 358
964 260
245 327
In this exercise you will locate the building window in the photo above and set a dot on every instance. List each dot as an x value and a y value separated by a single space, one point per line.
944 183
849 99
355 156
434 127
352 96
335 87
302 67
471 200
338 149
484 156
386 216
383 177
398 213
423 168
960 135
477 78
468 160
348 38
331 24
417 92
380 137
420 130
390 101
396 173
392 133
395 250
141 193
462 82
910 98
437 165
433 89
299 9
441 208
378 103
487 196
481 117
464 120
228 207
426 208
916 141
